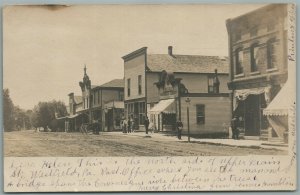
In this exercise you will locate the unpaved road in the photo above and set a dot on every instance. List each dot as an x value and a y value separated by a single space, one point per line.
59 144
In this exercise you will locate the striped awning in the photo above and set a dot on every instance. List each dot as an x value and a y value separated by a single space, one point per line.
164 106
280 105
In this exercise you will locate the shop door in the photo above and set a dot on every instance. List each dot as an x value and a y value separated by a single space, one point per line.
109 120
252 115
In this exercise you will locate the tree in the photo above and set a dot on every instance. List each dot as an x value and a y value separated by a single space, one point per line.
22 118
45 114
8 111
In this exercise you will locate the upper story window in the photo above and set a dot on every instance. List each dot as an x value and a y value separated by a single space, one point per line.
213 84
210 84
140 84
239 67
128 87
200 114
271 57
254 57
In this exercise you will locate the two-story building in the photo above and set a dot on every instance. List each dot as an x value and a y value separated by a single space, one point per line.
98 103
107 102
258 66
160 86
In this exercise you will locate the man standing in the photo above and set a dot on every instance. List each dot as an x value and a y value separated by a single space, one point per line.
234 128
179 127
146 123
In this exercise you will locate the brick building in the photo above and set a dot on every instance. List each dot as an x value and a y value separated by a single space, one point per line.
258 66
159 84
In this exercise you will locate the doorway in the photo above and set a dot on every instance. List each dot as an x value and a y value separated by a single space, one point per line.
252 115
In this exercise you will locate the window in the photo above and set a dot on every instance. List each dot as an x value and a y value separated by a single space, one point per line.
121 96
99 97
200 114
254 56
140 84
213 84
271 46
210 84
239 67
141 113
128 87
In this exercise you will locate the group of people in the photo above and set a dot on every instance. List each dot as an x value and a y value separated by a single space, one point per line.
128 125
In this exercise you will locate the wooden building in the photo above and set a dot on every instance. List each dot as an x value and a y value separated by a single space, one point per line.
98 104
258 66
158 85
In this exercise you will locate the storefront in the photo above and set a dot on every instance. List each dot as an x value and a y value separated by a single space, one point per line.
163 115
248 105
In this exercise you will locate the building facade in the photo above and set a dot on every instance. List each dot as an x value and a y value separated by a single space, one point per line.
158 85
97 104
258 66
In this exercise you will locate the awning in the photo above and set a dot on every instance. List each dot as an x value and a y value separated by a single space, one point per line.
165 106
244 93
73 116
282 102
115 104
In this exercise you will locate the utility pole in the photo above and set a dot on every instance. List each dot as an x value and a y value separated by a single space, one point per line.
188 116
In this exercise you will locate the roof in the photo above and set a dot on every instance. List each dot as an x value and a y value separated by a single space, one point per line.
116 83
187 63
77 99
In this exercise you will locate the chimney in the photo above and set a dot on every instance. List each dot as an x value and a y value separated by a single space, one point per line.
170 50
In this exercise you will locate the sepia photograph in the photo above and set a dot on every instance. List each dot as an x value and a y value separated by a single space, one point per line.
142 89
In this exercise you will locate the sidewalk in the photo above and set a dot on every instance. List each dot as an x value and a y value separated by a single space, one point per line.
257 144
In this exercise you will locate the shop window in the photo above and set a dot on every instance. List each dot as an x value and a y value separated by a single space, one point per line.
128 87
121 96
98 97
271 47
239 67
254 57
140 84
200 114
141 113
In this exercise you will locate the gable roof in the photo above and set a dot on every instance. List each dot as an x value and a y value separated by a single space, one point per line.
187 63
116 83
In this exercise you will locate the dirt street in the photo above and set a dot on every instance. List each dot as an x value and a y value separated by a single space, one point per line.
32 144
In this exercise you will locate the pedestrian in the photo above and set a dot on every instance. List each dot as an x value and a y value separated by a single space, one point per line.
179 127
129 126
97 127
124 125
132 125
146 123
234 127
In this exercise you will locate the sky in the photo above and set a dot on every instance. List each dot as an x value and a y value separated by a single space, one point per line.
45 48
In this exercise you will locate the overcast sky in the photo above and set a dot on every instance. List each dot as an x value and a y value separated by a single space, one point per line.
45 48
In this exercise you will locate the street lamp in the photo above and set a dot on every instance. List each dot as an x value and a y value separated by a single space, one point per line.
188 116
